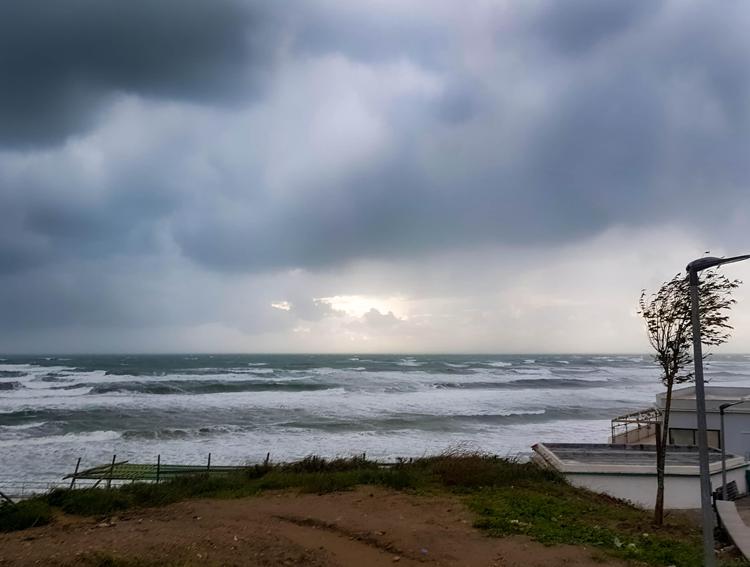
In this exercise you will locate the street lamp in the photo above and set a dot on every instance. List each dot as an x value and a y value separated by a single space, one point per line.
722 408
693 268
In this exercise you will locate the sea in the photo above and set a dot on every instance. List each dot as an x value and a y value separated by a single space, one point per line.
240 408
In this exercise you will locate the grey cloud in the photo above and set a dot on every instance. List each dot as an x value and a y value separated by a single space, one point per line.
576 27
624 134
371 33
583 116
463 100
377 320
49 217
63 60
312 309
634 130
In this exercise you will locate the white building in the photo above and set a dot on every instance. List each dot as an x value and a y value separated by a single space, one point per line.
626 468
628 472
639 427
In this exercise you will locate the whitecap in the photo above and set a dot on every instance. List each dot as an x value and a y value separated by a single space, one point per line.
22 426
409 361
90 437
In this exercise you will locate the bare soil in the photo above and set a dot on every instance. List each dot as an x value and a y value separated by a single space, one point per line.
362 528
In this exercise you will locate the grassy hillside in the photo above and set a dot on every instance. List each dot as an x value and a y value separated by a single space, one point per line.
507 497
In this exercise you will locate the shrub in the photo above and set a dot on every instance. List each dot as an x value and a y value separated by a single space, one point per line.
89 501
25 514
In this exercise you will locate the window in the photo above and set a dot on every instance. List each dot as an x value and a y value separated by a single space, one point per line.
681 436
689 437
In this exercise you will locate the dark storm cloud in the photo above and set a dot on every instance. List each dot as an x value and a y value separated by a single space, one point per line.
55 213
641 125
62 60
547 123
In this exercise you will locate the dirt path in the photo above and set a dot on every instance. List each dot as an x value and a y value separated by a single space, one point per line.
362 528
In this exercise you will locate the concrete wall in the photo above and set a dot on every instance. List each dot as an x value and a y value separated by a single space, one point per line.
736 428
644 434
680 492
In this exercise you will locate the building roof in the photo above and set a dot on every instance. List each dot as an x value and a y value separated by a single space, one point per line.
683 399
627 459
723 393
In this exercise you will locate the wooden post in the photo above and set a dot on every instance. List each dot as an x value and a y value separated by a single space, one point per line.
158 467
111 471
73 480
268 458
208 466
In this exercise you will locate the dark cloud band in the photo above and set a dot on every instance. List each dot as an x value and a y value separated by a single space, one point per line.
62 60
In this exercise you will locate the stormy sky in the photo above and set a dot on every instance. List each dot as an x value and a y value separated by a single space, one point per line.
390 175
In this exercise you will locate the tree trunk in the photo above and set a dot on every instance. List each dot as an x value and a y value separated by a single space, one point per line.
662 439
659 505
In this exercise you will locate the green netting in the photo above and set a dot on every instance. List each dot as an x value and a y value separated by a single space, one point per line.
132 471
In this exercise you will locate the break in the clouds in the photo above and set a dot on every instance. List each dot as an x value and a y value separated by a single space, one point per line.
227 175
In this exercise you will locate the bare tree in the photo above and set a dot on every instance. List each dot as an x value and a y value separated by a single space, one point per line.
668 324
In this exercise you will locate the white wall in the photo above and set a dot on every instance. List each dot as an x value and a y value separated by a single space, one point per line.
680 492
736 428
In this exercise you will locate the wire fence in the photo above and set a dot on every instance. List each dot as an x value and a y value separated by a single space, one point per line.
116 474
22 489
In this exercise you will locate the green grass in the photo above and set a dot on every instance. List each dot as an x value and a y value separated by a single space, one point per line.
26 514
561 513
508 497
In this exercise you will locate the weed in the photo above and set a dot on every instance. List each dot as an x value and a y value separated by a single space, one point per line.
507 496
559 513
89 502
25 514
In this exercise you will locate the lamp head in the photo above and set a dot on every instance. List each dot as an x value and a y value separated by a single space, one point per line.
712 261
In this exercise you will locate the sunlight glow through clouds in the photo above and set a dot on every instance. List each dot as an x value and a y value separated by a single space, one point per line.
359 305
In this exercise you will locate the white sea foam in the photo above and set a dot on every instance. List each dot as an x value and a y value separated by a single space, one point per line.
26 394
385 413
89 437
22 426
409 361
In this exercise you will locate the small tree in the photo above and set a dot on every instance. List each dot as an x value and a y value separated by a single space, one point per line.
669 328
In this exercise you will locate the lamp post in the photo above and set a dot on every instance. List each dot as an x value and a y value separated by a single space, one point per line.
709 559
722 409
